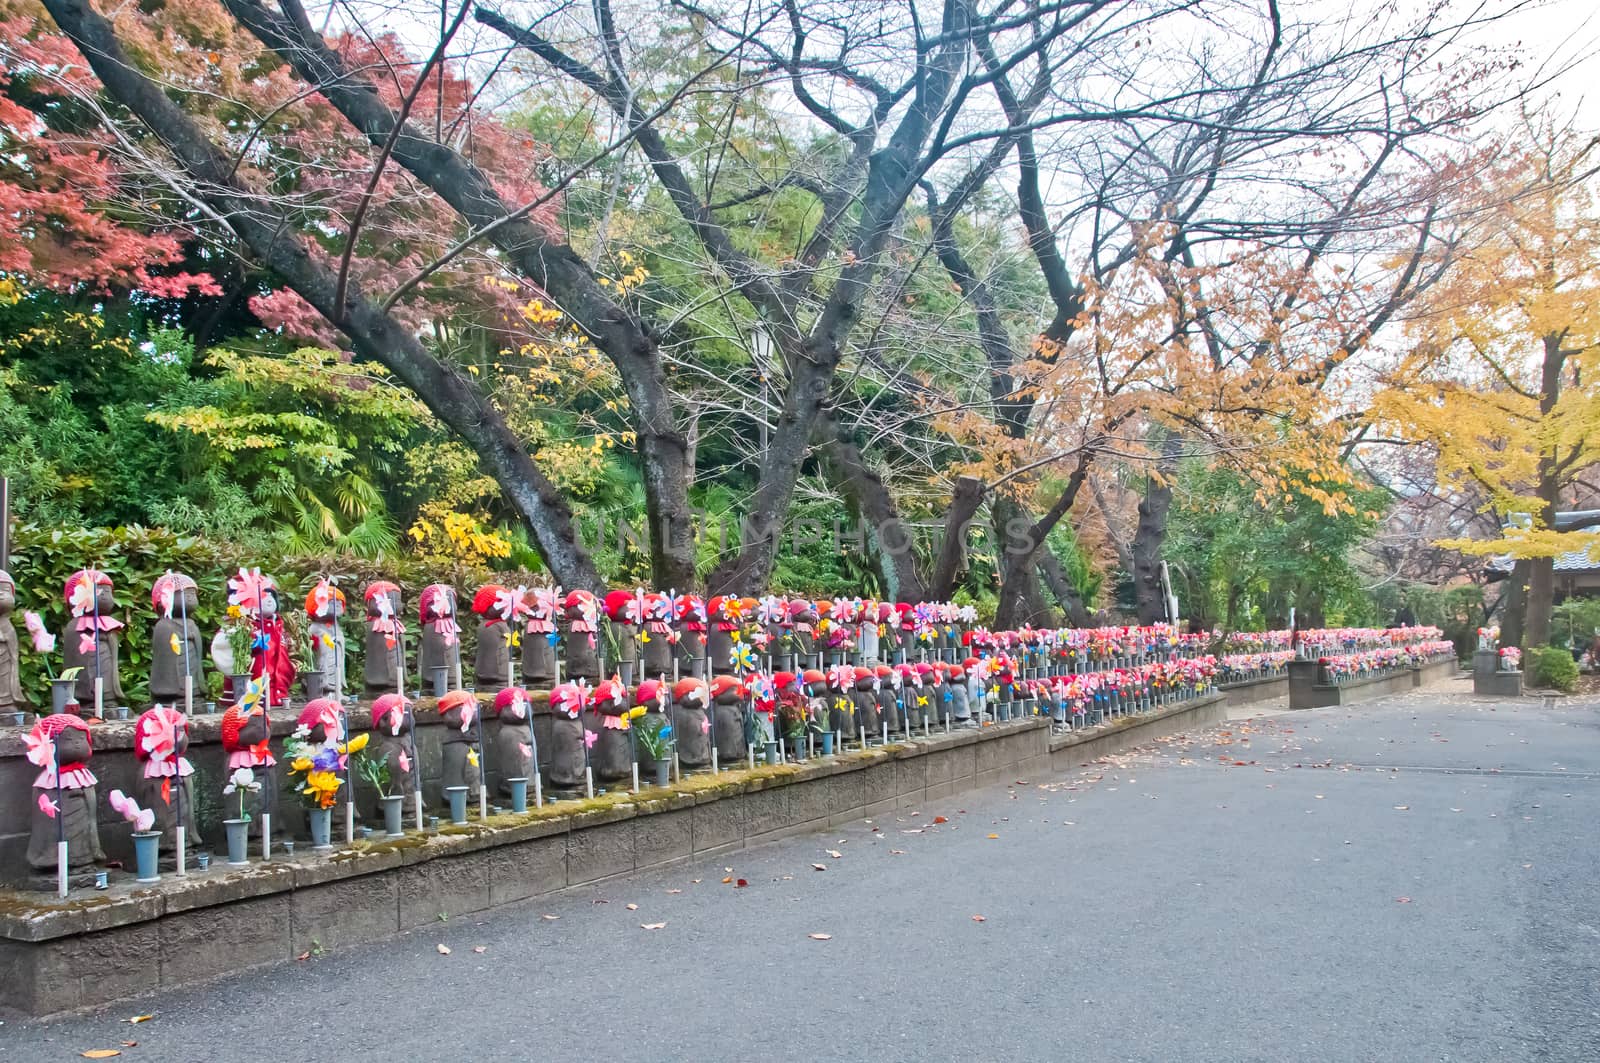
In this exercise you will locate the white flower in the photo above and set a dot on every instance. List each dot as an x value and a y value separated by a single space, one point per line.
241 779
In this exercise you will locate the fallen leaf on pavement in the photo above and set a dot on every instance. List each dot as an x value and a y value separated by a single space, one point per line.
100 1053
819 867
480 949
444 950
740 884
979 919
940 819
137 1019
652 926
727 880
994 835
677 891
820 937
1401 808
836 854
897 852
551 917
1402 900
633 907
130 1044
917 830
303 957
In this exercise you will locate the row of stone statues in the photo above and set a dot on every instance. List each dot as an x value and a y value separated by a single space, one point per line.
572 736
519 631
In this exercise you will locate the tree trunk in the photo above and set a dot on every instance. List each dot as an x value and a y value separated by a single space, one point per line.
895 543
553 266
374 333
1514 601
1020 544
1542 570
1055 577
1150 534
950 562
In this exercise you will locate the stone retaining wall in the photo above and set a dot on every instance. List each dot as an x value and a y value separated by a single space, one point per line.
1249 691
96 948
1305 693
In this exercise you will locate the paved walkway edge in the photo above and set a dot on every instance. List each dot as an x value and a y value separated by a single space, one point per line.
89 951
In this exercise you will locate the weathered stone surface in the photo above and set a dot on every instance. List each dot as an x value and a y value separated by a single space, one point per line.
718 824
661 838
208 942
527 869
346 913
599 852
449 886
767 810
910 775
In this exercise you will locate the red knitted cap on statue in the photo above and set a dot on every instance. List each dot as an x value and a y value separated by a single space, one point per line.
616 602
724 683
782 680
53 725
378 587
507 696
883 671
863 673
232 722
811 675
483 601
455 699
176 580
312 603
690 689
318 711
647 693
381 707
431 594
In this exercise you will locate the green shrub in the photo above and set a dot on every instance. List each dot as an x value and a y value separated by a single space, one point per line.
1550 667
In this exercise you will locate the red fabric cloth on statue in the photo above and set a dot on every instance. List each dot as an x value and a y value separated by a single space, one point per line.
275 661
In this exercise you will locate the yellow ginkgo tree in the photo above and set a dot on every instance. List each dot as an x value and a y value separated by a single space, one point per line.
1500 382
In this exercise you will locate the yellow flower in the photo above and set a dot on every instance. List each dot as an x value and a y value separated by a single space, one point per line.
637 711
175 645
300 764
472 757
322 785
357 744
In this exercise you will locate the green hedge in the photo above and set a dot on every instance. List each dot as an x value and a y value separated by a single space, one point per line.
1551 667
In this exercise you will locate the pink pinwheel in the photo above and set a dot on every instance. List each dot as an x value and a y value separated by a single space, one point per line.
635 611
405 761
590 738
43 640
141 818
657 613
47 806
544 605
772 610
247 589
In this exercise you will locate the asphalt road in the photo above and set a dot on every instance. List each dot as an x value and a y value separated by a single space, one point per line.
1412 880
